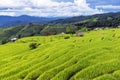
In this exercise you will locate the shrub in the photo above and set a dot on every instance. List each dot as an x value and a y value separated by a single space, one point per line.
90 40
33 45
102 38
113 35
66 37
3 42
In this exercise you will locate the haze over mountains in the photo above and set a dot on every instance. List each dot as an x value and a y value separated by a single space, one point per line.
9 21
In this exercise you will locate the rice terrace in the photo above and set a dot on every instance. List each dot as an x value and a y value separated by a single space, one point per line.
59 39
92 57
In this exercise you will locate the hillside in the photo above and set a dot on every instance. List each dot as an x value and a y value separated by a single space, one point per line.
92 57
92 21
104 16
68 25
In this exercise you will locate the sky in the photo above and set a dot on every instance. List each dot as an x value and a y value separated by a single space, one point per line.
57 8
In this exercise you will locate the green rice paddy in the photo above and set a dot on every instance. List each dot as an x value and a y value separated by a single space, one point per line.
96 56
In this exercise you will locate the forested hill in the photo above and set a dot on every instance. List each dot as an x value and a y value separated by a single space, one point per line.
105 16
68 25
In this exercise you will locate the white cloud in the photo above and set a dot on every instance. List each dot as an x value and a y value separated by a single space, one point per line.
46 8
108 7
7 13
11 3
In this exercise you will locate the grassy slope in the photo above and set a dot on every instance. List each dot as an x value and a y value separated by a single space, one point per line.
94 56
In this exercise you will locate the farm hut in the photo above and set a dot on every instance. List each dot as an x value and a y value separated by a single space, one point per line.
119 26
80 34
98 29
13 39
62 33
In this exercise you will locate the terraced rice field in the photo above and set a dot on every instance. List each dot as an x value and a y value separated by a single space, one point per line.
96 56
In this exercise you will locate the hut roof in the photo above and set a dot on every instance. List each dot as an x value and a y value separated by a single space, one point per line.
13 39
80 34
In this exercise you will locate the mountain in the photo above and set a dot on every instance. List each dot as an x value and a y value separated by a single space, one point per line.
98 20
68 25
9 21
70 20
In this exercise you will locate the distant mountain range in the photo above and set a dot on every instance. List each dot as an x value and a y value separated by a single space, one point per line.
9 21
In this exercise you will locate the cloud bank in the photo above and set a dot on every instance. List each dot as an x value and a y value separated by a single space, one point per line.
108 7
46 8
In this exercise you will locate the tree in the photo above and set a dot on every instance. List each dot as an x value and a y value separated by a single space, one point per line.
3 42
71 29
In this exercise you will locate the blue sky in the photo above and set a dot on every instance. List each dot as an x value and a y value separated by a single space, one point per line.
94 3
57 8
115 5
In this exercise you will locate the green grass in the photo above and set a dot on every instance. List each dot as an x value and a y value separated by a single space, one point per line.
96 56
